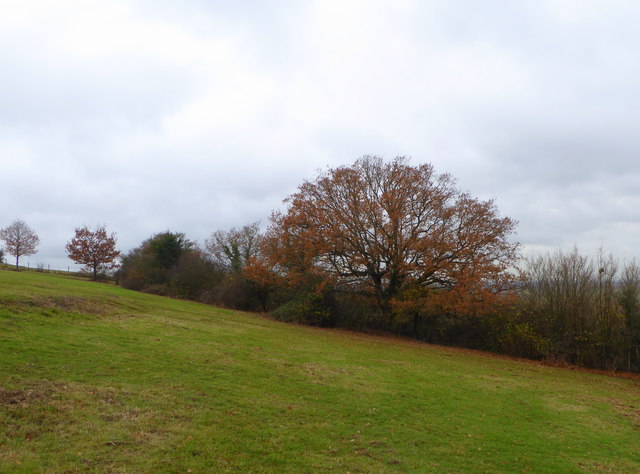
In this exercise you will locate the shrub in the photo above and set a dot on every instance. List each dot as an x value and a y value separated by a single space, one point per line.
510 333
192 275
235 291
307 308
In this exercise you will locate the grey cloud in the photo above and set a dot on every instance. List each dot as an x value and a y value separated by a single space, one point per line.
219 110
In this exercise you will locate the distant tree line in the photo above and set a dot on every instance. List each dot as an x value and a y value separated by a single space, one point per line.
585 311
393 247
387 246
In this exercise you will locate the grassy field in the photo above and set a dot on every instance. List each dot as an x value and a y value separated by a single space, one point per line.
97 378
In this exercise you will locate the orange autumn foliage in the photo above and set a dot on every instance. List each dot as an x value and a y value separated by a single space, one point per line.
96 250
376 228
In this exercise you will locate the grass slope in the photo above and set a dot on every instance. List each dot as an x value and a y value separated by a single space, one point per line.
97 378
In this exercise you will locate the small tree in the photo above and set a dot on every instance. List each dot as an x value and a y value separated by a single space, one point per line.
232 249
19 240
167 248
152 263
96 250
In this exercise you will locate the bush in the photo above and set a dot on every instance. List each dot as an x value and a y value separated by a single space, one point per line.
307 308
192 275
356 311
168 264
509 334
133 279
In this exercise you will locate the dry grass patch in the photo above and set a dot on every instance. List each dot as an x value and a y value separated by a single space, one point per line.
53 305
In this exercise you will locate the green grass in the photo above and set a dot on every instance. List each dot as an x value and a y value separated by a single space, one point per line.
97 378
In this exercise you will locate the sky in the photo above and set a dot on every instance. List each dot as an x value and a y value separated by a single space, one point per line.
194 116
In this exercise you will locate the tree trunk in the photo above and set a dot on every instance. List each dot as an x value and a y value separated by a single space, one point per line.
17 267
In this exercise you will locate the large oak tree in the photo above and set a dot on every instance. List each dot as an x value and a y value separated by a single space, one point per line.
381 227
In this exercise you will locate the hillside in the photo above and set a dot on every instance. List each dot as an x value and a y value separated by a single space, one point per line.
97 378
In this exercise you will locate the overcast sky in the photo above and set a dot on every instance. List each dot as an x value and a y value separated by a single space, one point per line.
198 115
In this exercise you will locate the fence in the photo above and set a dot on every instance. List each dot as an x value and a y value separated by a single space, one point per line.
41 267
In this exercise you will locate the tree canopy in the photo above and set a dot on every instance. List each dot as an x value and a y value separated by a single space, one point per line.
233 248
167 248
19 239
156 261
378 228
95 249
